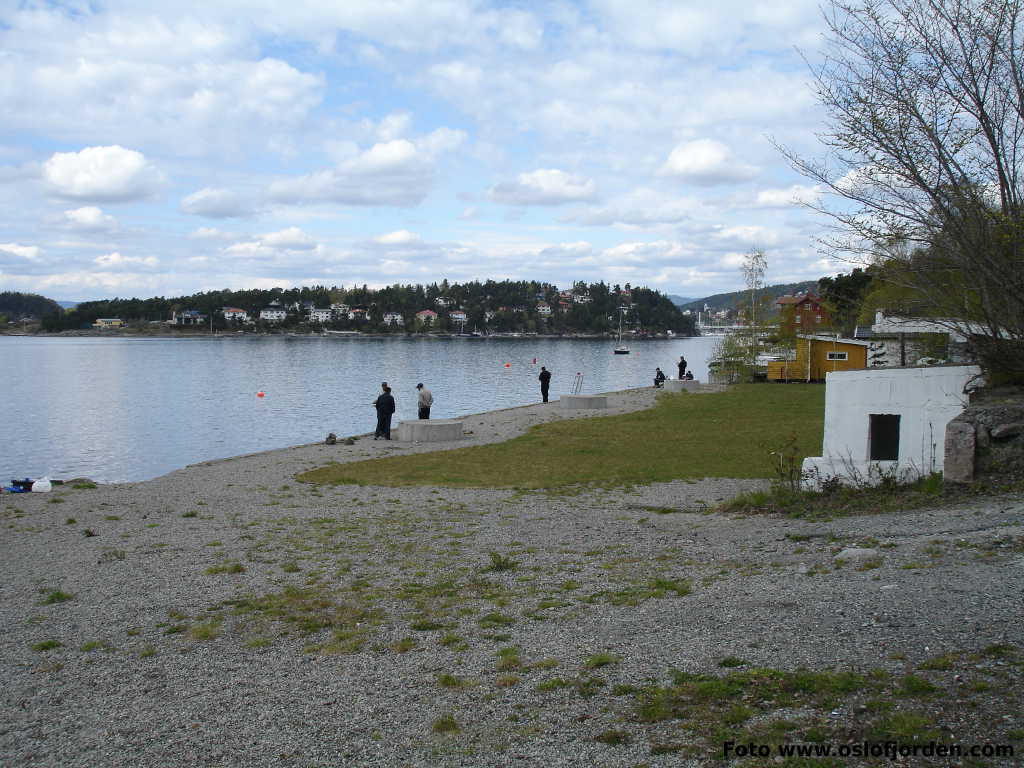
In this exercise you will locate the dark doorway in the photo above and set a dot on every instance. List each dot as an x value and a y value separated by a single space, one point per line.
884 437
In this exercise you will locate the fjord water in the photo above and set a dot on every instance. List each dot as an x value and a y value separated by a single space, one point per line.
126 409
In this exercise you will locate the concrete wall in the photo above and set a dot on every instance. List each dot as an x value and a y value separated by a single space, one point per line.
926 399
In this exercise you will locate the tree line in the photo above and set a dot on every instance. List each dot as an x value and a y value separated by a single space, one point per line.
507 305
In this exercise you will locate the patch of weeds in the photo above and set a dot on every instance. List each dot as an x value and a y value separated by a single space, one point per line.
258 642
454 641
343 641
613 737
662 510
56 596
190 513
88 533
57 500
554 684
207 630
915 686
404 645
570 585
446 724
943 662
508 658
176 629
453 681
92 645
112 555
426 625
133 631
111 517
501 562
506 681
599 660
234 567
495 620
290 567
147 652
666 749
47 645
904 727
84 486
732 661
545 664
70 521
870 564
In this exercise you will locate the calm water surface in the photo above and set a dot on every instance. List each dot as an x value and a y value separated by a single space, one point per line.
131 409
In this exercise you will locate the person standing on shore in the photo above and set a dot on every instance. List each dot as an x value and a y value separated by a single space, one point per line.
423 401
682 367
385 405
545 382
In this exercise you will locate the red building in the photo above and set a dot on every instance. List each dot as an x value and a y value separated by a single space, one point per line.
803 313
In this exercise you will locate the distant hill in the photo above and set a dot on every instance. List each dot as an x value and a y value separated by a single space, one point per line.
736 298
69 304
16 305
679 300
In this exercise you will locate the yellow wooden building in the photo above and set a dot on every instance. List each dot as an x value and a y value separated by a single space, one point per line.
817 355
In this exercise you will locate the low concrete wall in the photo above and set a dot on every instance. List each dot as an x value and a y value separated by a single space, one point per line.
430 430
576 402
682 385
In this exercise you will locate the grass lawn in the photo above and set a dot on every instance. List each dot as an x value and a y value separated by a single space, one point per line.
727 434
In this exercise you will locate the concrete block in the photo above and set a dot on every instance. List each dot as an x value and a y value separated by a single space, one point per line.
682 385
430 430
958 466
579 402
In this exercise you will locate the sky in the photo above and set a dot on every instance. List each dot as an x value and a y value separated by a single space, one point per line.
152 148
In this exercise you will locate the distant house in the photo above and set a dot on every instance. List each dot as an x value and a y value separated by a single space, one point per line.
444 301
108 322
543 308
564 305
273 314
235 315
188 317
901 341
359 314
426 316
888 423
393 318
320 315
489 315
801 313
581 298
457 316
340 310
819 355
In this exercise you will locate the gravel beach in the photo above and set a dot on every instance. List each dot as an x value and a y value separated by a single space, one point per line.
228 615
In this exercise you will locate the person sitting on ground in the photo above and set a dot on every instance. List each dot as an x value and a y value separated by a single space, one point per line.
689 376
659 379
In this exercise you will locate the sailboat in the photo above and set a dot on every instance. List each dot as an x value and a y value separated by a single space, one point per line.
621 349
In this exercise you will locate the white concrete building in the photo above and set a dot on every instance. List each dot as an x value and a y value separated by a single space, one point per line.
273 314
393 318
320 315
235 315
888 422
543 308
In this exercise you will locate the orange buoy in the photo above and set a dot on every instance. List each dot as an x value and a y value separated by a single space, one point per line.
260 394
508 365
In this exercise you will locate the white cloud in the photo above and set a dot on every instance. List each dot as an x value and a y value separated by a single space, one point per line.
216 204
89 219
545 186
29 252
292 239
398 172
706 162
101 173
752 235
115 259
798 194
210 233
399 237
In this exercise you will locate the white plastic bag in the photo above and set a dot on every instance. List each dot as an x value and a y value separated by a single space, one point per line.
42 485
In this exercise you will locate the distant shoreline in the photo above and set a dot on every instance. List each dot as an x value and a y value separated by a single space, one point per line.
134 334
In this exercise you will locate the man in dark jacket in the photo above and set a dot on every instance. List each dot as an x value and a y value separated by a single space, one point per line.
385 405
545 382
682 367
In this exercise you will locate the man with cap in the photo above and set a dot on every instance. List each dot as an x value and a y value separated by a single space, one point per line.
424 400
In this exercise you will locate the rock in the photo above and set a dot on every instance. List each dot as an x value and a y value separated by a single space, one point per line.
1005 431
331 438
856 554
959 455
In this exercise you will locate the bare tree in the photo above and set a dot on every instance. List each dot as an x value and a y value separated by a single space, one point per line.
754 265
926 146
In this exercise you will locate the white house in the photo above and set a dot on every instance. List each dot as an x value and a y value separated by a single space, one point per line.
543 308
426 316
235 315
273 314
581 298
457 316
188 317
320 315
340 310
443 301
359 313
888 422
393 318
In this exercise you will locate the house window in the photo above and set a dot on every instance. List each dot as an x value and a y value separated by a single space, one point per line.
838 356
796 319
817 318
807 305
884 437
